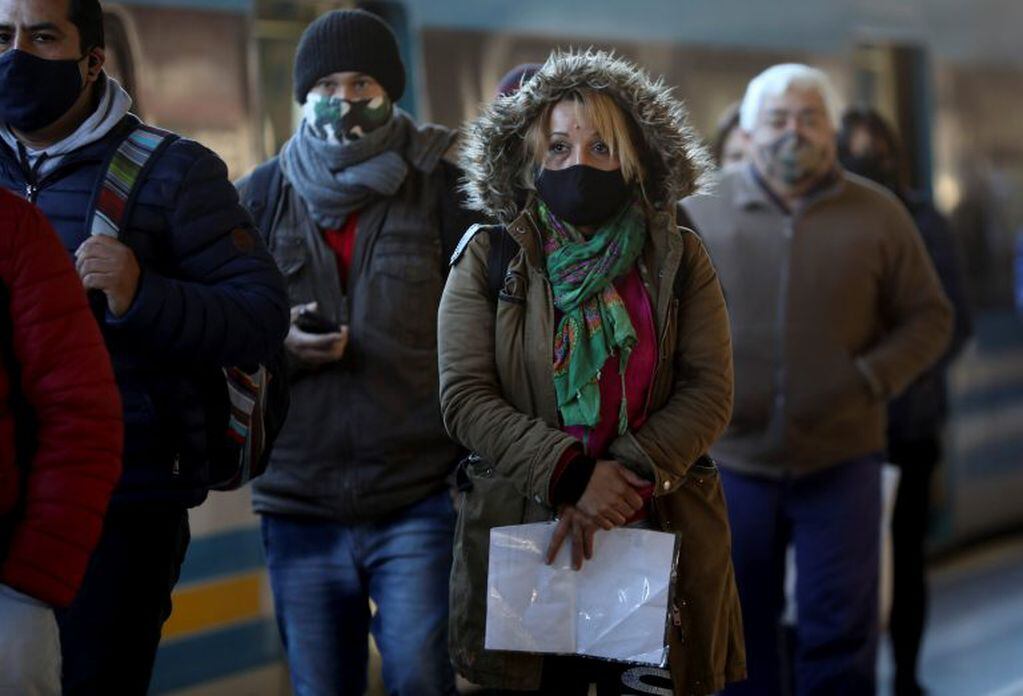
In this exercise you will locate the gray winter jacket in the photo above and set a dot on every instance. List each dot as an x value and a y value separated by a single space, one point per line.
364 436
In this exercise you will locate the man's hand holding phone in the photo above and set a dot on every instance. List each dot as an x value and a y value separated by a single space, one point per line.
313 339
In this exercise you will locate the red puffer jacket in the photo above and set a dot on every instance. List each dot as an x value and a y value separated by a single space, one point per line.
67 383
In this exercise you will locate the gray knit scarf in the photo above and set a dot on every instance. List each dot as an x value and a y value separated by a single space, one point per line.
335 180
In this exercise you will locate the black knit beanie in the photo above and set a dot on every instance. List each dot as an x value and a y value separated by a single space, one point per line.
348 41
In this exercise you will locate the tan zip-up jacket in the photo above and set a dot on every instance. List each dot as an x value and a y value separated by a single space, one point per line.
835 309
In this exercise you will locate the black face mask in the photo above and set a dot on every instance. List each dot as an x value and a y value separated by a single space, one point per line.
35 92
878 169
583 195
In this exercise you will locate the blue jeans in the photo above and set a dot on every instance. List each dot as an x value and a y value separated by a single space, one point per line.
833 519
323 575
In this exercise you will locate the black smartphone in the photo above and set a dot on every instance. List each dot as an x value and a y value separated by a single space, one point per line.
315 323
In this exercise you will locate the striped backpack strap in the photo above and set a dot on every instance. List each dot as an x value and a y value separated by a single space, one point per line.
122 176
241 453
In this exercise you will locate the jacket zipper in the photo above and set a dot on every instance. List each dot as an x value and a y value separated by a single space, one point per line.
30 172
662 355
662 338
34 185
780 371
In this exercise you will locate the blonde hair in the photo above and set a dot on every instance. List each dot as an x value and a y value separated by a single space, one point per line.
607 118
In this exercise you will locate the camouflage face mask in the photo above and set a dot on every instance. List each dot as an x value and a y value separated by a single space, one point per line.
792 158
342 121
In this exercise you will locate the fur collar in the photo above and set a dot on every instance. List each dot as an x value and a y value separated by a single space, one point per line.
494 150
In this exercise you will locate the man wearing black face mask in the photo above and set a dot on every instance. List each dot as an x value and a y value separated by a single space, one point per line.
37 116
184 287
835 308
361 212
868 146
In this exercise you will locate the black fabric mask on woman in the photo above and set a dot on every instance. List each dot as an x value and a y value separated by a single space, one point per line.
583 195
34 91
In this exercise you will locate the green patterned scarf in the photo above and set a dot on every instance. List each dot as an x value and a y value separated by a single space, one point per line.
596 323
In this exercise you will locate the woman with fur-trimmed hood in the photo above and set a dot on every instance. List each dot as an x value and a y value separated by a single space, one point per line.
591 380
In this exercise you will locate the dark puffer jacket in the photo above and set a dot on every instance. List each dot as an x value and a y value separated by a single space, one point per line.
60 415
209 296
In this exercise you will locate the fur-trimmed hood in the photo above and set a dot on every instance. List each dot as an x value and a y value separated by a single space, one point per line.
494 149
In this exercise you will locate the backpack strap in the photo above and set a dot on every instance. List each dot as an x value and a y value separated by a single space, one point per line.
245 392
124 170
454 217
502 250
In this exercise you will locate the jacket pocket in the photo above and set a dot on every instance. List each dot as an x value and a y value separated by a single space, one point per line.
704 466
405 294
828 390
754 362
290 255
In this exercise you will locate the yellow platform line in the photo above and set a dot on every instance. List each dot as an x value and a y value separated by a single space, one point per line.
214 604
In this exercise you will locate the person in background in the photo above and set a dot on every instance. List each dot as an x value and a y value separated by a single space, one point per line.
61 437
362 213
591 382
513 79
730 145
835 309
868 146
185 289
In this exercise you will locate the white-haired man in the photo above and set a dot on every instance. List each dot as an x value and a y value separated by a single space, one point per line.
834 308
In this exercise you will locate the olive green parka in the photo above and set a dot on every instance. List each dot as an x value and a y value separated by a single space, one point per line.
497 384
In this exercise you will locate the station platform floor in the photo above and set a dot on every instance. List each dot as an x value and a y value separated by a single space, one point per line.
974 640
973 645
